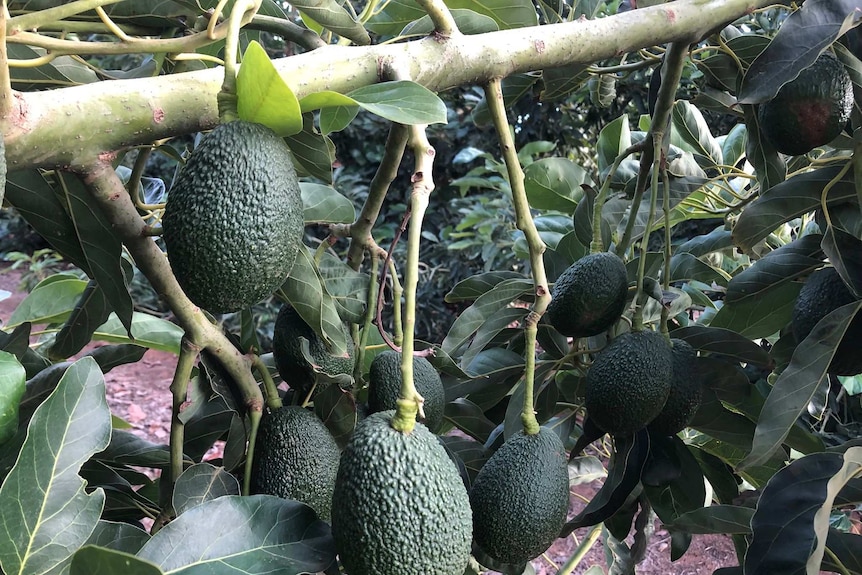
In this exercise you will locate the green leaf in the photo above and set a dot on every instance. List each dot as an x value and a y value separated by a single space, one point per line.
690 124
102 248
93 560
846 548
474 286
797 384
563 80
788 200
614 138
401 101
51 301
336 407
752 319
684 266
394 16
336 118
468 22
325 205
247 535
325 99
202 482
845 254
348 288
306 293
60 71
469 418
768 164
726 342
147 331
493 325
513 87
716 519
682 494
333 16
12 379
118 536
313 153
507 13
45 513
91 311
263 96
780 266
555 184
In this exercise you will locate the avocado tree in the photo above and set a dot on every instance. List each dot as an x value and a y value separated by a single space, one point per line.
763 309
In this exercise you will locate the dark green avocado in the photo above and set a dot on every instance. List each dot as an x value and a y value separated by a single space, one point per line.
399 506
233 221
685 391
384 386
521 497
589 296
629 382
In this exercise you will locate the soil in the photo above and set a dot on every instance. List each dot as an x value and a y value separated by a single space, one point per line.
139 394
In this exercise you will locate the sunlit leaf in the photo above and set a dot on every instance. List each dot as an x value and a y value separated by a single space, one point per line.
402 102
262 95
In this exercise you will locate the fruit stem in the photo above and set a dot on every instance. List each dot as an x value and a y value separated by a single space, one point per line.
638 319
254 424
273 401
410 401
665 283
524 221
240 15
189 352
370 307
597 245
582 550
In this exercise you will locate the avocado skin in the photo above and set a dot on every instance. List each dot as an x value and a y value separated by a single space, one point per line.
589 296
399 504
629 382
809 111
685 391
384 386
295 457
824 292
287 352
233 221
520 497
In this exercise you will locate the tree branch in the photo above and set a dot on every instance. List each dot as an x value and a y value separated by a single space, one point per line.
122 113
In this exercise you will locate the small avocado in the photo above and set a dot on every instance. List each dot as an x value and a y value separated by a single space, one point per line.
589 296
520 497
685 391
399 505
384 386
295 457
629 382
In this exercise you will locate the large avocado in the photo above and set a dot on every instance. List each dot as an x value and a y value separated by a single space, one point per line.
809 111
520 497
399 506
589 296
233 221
685 391
824 292
295 457
291 363
384 386
629 382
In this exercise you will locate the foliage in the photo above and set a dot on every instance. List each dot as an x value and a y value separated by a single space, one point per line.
628 153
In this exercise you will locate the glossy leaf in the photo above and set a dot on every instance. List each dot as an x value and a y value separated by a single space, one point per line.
790 199
245 534
148 331
469 418
402 102
717 239
263 96
752 319
57 72
555 184
202 482
796 385
802 37
614 138
683 493
561 81
490 329
684 266
325 205
51 301
12 378
782 265
722 341
93 560
45 513
847 548
333 16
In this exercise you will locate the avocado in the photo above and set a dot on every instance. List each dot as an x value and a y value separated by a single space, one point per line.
521 496
295 457
384 386
291 363
629 382
685 391
399 504
233 221
824 292
589 296
809 111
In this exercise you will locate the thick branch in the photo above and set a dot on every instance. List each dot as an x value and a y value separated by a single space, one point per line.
123 113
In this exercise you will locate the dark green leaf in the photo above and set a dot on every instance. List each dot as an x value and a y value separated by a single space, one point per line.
472 454
750 318
336 407
847 548
563 80
684 493
60 71
93 560
401 101
555 184
722 341
790 261
118 536
313 153
43 497
690 124
471 288
348 288
324 204
685 266
12 378
507 13
768 164
717 239
468 417
468 22
333 16
91 311
845 254
394 16
719 475
243 534
200 483
716 519
492 326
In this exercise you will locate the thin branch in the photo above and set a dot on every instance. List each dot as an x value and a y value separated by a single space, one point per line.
6 97
33 20
189 352
287 30
444 23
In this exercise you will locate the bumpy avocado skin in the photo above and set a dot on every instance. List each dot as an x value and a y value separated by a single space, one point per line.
233 221
399 504
589 296
384 386
629 382
685 391
295 457
287 352
824 292
520 497
809 111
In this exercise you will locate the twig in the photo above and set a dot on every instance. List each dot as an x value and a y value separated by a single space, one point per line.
6 97
189 352
33 20
441 17
386 263
287 30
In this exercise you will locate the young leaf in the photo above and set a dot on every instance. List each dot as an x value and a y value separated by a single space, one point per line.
263 96
45 513
244 535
